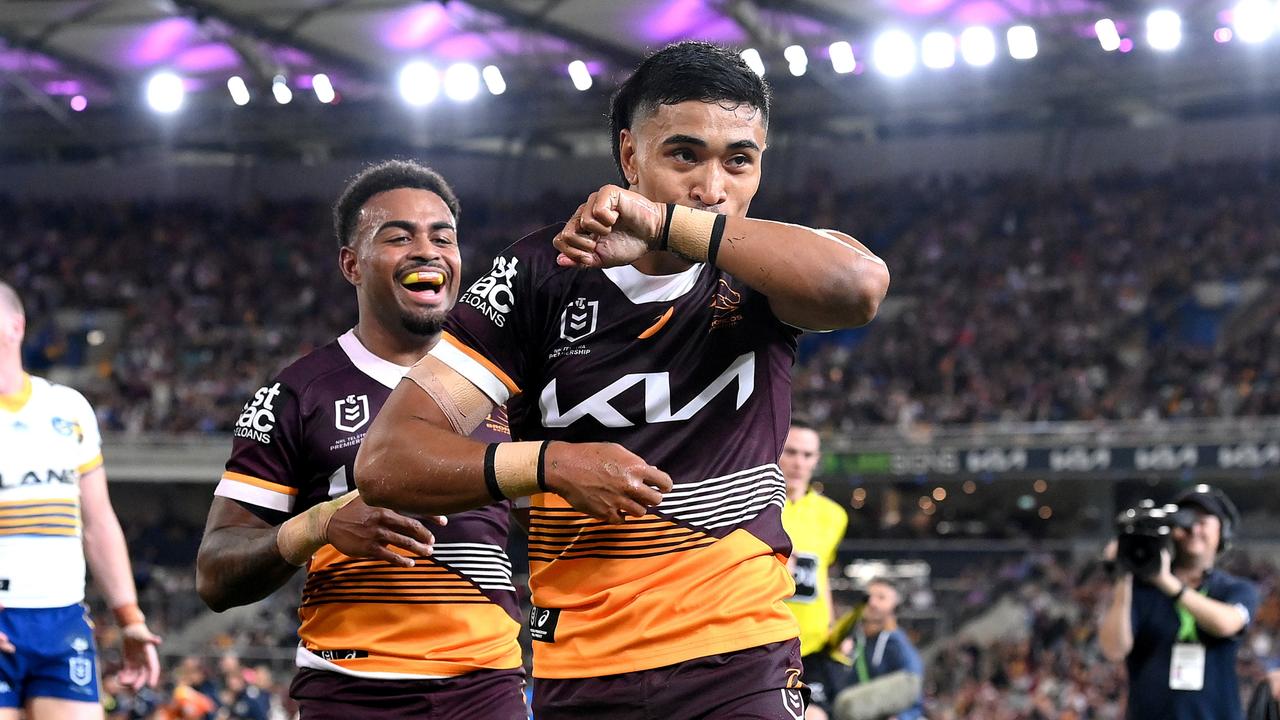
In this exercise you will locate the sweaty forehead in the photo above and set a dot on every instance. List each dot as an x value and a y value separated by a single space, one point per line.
719 124
409 204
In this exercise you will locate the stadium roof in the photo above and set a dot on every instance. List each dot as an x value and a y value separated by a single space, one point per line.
75 72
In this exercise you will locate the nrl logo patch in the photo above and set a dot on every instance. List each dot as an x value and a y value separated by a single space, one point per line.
579 319
351 413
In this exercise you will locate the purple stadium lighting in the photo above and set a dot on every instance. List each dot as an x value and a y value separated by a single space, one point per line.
417 26
160 41
676 19
62 87
206 58
79 103
1223 35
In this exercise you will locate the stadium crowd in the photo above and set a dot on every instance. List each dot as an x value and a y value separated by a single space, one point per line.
1013 300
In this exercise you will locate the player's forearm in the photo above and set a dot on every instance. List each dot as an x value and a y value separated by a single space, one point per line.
1213 616
108 558
819 280
239 565
1115 631
412 465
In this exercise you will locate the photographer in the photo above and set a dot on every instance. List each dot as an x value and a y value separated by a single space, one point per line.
1178 630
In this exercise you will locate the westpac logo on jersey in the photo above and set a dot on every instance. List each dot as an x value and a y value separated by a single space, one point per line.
657 397
351 413
492 294
579 319
259 415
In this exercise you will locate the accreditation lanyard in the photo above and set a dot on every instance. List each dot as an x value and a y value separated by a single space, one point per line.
860 654
1186 666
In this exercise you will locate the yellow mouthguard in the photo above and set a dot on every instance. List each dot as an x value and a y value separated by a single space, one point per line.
435 278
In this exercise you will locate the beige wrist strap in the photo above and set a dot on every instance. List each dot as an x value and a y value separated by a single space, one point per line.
301 536
693 234
515 469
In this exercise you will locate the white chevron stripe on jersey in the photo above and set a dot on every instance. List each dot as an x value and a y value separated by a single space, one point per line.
726 500
485 565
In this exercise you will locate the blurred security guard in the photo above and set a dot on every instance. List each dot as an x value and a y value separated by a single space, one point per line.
1178 631
816 525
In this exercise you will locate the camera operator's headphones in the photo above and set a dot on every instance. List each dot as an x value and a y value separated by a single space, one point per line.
1215 502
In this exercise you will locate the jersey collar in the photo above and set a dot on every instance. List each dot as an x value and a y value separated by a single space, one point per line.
16 401
384 371
641 288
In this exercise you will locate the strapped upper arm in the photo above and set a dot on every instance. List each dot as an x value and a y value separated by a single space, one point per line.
462 403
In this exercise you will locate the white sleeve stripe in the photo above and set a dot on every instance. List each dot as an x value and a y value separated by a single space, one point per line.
254 495
467 367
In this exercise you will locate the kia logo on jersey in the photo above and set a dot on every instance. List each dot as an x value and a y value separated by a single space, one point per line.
657 406
351 413
578 319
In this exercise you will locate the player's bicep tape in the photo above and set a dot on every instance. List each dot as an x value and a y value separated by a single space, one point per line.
464 405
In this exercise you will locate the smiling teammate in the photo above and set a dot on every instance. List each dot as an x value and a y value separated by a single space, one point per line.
644 351
427 626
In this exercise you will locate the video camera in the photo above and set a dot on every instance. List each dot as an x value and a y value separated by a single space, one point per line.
1144 531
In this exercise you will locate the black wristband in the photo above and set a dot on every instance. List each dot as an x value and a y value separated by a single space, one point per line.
666 227
1178 595
717 233
542 466
491 473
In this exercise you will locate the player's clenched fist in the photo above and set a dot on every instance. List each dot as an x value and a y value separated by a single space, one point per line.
613 227
604 480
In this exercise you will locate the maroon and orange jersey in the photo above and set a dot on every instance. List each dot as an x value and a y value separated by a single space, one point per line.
692 372
295 446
